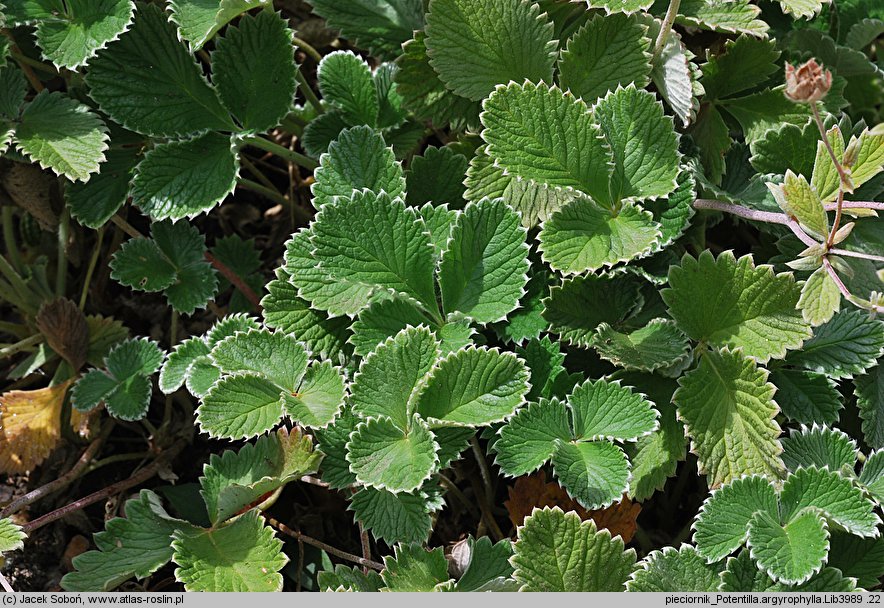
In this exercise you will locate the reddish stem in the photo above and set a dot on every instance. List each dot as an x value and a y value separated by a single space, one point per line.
236 281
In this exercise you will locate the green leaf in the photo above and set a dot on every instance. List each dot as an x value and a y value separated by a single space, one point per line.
872 475
93 203
479 44
381 26
240 406
738 17
393 518
347 246
346 82
323 130
791 553
643 143
357 159
743 574
862 558
595 473
542 134
579 305
848 345
675 571
721 526
62 135
473 387
802 8
173 261
201 376
344 578
175 368
608 51
603 409
728 409
254 68
413 568
659 346
336 296
544 358
807 397
835 496
425 95
319 396
439 220
611 6
148 82
244 555
527 441
277 357
755 309
820 298
331 442
384 456
484 267
199 20
135 546
234 481
182 179
583 236
11 536
14 91
437 177
555 551
819 446
797 199
391 374
73 32
870 402
869 157
825 177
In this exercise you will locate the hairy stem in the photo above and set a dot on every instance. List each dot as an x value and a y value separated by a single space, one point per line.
856 205
665 28
311 97
743 212
271 193
307 48
856 254
126 227
321 545
8 351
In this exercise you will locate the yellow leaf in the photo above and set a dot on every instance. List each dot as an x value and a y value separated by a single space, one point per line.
29 426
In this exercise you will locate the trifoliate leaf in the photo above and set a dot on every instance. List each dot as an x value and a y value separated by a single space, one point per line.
594 473
820 447
233 481
336 296
790 553
172 261
738 17
754 308
473 387
346 82
643 143
381 26
540 133
357 159
383 320
608 51
583 236
820 298
527 441
484 268
721 526
835 496
393 518
62 135
807 397
603 409
11 536
413 568
240 406
253 66
182 179
93 203
659 346
437 177
319 396
390 374
579 305
870 402
862 558
384 456
555 551
849 344
244 555
347 246
276 356
671 570
148 82
135 546
477 45
728 409
425 95
198 20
